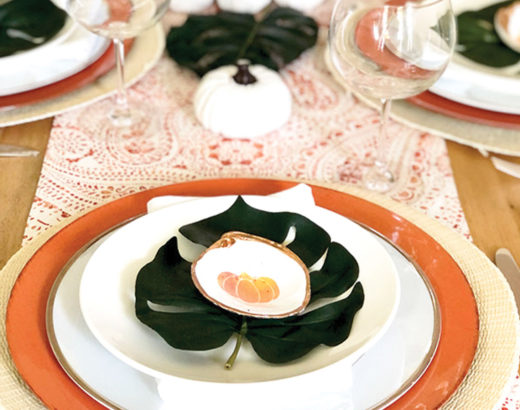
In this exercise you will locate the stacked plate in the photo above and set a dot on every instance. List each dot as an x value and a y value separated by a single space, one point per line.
474 92
405 341
70 59
69 52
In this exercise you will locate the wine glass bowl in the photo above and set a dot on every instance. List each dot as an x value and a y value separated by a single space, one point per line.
388 50
119 20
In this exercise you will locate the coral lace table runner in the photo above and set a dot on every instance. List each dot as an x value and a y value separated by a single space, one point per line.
329 138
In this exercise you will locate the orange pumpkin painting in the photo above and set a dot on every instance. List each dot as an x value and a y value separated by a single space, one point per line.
248 289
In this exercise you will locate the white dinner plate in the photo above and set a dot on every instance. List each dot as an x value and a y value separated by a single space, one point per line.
380 376
70 51
477 85
111 273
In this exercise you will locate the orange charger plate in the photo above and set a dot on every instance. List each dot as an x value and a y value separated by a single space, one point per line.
33 356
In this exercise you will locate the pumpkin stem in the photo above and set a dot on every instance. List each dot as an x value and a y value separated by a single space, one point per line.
243 330
243 75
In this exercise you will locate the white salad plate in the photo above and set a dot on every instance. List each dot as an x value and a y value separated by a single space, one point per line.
477 85
386 370
70 51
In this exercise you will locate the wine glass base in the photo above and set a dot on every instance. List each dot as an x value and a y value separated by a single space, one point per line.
379 179
139 121
121 119
124 118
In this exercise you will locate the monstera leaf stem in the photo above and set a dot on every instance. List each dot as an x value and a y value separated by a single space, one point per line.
240 336
261 14
248 41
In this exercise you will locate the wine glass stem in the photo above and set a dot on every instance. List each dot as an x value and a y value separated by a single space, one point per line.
119 48
382 142
378 177
121 114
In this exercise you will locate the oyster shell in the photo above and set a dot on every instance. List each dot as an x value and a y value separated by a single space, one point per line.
252 276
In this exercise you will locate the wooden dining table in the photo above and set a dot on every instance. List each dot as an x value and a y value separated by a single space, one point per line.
489 198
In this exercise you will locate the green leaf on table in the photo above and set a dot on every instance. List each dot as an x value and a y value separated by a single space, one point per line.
479 41
25 24
204 43
168 301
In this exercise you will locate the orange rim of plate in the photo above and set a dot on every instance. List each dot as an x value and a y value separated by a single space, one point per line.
450 108
82 78
35 361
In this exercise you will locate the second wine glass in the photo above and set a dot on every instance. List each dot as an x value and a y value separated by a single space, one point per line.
118 20
389 49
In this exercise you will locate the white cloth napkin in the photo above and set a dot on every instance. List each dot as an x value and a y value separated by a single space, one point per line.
328 388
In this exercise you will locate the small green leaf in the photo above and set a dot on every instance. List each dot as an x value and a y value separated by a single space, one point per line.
204 43
25 24
310 243
479 41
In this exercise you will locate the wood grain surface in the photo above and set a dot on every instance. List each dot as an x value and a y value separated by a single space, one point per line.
490 200
18 181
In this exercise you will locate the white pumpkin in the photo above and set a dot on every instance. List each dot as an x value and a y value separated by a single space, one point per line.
302 5
243 6
189 6
243 102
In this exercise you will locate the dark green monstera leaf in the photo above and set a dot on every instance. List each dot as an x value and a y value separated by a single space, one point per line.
204 43
25 24
168 301
479 41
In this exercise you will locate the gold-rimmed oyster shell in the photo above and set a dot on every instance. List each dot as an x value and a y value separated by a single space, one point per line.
252 276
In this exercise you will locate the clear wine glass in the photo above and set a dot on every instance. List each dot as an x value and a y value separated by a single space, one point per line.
388 50
118 20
